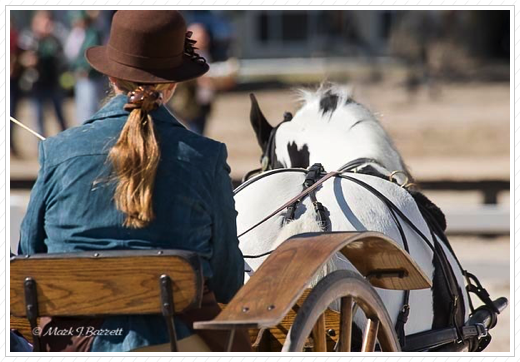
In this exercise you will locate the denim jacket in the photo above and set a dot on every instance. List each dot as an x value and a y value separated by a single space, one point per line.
72 209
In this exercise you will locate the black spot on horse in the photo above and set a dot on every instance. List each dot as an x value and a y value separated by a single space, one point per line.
350 101
299 158
329 102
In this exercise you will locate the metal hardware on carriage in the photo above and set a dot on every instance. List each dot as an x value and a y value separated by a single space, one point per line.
31 308
167 309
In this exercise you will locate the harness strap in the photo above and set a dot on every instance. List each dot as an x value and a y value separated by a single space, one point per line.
435 338
480 291
402 317
477 289
419 341
349 166
435 248
457 307
292 201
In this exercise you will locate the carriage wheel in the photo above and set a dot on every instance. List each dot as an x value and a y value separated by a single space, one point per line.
351 289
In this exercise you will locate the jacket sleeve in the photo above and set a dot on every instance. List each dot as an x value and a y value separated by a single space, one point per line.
227 262
32 232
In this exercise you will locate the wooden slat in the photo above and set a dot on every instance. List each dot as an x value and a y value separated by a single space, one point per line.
275 337
279 332
282 278
80 284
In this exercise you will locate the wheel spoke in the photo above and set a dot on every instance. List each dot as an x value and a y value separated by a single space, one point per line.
345 329
355 295
369 339
319 336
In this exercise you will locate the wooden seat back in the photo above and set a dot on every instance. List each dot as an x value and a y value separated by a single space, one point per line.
105 282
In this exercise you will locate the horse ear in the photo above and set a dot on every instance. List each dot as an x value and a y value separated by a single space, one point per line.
260 125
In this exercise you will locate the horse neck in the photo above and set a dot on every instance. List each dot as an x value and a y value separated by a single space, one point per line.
378 145
366 141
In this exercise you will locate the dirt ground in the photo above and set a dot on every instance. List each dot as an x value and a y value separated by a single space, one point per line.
493 271
461 133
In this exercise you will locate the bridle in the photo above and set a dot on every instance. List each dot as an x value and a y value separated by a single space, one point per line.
268 159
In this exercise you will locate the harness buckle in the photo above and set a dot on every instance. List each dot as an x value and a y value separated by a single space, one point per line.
291 210
482 331
406 309
405 312
313 174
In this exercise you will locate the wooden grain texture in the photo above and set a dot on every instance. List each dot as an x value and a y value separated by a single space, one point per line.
274 338
77 285
371 255
23 326
332 321
319 335
370 336
281 279
345 329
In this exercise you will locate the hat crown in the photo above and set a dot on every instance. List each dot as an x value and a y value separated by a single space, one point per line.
148 47
148 34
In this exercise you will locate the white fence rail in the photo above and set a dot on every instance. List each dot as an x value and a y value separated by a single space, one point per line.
482 219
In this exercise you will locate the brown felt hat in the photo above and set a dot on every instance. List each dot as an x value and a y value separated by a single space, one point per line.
149 47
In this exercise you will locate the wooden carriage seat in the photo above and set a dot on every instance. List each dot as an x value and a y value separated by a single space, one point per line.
104 283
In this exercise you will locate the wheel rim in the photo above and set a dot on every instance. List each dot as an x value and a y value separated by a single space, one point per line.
351 290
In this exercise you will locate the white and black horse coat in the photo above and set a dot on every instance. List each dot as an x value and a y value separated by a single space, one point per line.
332 129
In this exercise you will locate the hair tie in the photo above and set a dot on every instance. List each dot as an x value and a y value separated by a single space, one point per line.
144 97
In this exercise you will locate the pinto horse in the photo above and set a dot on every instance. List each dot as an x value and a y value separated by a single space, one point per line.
333 129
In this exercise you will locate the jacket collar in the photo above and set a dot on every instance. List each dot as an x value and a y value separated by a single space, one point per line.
114 108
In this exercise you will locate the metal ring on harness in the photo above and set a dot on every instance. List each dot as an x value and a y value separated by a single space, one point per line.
396 172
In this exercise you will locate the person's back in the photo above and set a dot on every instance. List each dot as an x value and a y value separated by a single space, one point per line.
132 177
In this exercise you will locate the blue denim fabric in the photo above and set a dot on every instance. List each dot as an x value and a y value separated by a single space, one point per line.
72 209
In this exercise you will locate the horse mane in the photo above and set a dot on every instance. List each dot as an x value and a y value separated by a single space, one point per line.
327 96
329 99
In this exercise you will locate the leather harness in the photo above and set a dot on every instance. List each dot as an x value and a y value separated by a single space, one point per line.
456 333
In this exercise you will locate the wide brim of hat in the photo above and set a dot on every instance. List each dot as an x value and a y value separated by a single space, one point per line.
189 69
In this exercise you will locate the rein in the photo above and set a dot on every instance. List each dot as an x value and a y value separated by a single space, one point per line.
293 200
17 122
457 333
345 168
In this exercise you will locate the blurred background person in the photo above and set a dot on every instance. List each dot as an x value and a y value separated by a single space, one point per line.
89 85
412 39
194 101
194 98
15 72
44 60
